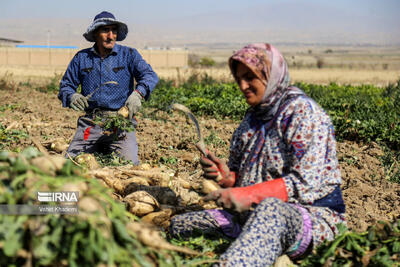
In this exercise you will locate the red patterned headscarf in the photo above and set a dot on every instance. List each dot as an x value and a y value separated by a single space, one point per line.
270 67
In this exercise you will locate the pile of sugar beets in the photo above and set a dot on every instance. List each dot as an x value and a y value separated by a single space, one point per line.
102 233
107 232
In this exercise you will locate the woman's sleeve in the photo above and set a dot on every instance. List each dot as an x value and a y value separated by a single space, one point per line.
312 168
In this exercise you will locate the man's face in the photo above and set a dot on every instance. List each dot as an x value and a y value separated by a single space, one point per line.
106 36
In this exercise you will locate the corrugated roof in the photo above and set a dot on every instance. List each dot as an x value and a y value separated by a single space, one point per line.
10 40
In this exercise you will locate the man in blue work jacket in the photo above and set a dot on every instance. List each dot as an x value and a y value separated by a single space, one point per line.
106 73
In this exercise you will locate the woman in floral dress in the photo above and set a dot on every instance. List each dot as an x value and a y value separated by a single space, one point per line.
281 184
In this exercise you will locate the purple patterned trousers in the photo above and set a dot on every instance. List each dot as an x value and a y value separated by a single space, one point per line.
272 229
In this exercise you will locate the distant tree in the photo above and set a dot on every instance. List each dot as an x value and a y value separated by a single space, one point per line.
193 60
207 62
327 51
320 62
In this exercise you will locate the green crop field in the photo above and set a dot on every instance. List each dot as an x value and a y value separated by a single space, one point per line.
102 234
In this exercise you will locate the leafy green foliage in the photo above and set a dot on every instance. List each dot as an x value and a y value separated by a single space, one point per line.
53 86
391 164
214 139
168 160
378 246
95 236
207 62
8 137
8 107
212 246
111 159
26 83
195 61
203 96
360 113
113 122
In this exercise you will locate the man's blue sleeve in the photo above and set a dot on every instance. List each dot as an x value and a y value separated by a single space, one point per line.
146 78
70 82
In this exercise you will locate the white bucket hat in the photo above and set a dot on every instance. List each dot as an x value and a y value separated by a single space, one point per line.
103 19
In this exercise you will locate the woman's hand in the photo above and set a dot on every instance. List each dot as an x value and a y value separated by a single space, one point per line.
231 198
241 198
216 169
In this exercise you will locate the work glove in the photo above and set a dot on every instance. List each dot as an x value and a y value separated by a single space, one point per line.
216 169
242 198
134 103
78 102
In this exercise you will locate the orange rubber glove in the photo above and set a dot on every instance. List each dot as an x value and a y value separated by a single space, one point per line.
241 198
216 169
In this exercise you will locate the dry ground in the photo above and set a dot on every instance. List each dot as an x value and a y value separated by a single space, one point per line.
308 75
341 64
356 76
168 138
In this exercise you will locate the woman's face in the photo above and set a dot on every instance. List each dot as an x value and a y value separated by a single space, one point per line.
251 86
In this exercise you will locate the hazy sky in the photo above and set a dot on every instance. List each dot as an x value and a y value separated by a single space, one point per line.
184 21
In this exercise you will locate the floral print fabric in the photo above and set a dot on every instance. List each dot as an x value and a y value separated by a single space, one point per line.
273 228
287 136
298 146
293 140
